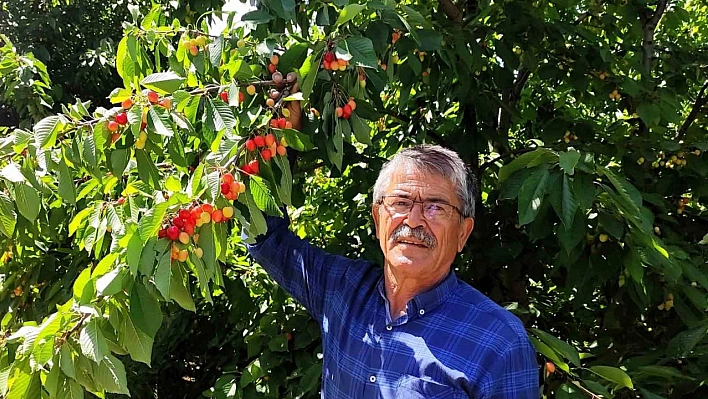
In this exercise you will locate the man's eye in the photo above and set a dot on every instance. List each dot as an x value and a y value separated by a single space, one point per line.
436 207
400 203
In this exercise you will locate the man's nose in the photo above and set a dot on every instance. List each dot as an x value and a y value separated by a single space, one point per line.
415 216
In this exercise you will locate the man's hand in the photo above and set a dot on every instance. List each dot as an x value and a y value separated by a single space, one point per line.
295 109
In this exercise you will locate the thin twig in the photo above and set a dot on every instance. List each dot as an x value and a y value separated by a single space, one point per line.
697 105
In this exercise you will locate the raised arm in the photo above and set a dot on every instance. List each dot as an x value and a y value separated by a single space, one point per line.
305 271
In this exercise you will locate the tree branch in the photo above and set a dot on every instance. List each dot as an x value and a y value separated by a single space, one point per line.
650 21
700 102
452 11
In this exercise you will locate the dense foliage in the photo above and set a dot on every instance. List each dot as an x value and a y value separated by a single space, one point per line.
585 123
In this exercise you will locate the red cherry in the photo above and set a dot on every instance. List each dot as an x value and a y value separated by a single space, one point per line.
254 166
224 96
184 214
122 118
173 233
178 221
266 154
247 169
259 140
269 139
346 111
120 201
189 229
281 123
274 123
272 68
251 145
241 97
225 188
329 57
162 233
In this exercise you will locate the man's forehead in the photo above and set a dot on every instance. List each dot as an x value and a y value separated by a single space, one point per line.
407 178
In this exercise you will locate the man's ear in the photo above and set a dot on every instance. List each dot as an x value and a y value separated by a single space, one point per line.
375 215
466 228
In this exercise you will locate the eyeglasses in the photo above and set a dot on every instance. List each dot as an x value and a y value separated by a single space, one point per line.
432 210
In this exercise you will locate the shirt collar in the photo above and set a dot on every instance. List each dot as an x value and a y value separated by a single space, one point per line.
428 300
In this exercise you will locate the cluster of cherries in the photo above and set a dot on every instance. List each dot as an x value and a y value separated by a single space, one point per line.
267 145
182 227
346 110
231 188
224 95
331 63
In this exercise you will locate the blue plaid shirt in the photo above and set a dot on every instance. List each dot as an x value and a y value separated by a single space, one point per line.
453 342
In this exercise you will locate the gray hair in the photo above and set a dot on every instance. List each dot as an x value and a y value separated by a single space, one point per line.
437 160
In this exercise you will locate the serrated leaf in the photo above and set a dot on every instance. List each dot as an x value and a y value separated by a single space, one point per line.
561 347
297 140
138 343
179 289
66 187
163 82
45 131
362 51
362 130
262 196
93 343
147 171
12 173
27 200
219 115
151 222
160 122
162 274
110 283
348 12
145 310
286 180
531 195
529 159
613 374
110 376
8 216
568 160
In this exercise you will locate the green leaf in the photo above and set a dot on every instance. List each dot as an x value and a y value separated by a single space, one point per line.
561 347
160 122
362 51
534 158
12 173
8 216
145 310
151 222
684 342
297 140
179 289
309 70
613 374
546 351
110 283
568 160
93 343
219 115
362 130
163 82
28 202
286 180
45 131
110 375
162 275
293 57
649 114
257 17
531 195
66 187
262 196
348 12
137 342
568 202
147 171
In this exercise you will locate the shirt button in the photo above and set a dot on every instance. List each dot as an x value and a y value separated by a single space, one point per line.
389 327
422 312
372 378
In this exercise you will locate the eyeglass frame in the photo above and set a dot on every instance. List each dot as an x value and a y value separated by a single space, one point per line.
422 204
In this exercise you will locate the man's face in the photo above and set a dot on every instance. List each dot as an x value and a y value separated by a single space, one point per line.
428 254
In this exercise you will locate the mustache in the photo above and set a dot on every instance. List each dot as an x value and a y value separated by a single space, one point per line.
404 231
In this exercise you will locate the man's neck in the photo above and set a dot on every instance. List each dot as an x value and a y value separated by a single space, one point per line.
401 289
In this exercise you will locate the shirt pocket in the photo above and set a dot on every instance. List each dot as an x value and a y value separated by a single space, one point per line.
418 388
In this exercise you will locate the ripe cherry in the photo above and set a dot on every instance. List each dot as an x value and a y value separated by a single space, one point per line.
173 233
224 96
122 118
251 145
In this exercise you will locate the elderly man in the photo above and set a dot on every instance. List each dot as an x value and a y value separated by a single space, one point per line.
410 329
